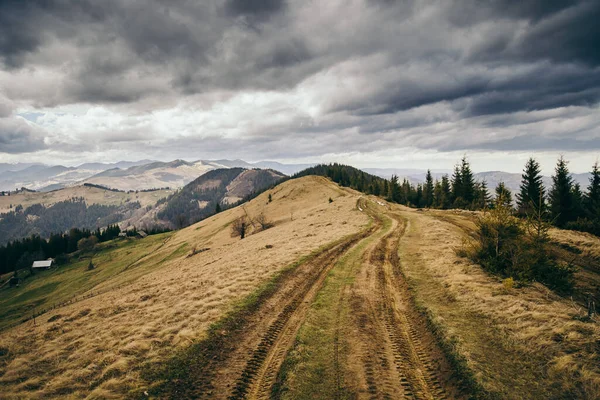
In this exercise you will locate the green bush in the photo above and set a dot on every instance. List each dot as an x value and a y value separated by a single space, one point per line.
585 225
510 247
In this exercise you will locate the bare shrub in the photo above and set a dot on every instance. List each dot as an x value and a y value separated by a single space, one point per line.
263 222
239 227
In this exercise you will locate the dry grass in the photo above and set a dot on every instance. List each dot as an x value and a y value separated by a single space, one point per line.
96 347
520 343
91 195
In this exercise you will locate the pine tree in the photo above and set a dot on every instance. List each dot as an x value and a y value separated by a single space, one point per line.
503 195
468 181
592 198
578 207
384 187
482 196
437 194
531 190
405 192
561 194
375 189
457 186
393 189
446 200
428 190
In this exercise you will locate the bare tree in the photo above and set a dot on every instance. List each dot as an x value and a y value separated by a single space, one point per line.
262 220
249 219
239 227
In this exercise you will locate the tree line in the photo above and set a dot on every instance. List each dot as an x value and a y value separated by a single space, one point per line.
514 242
564 204
21 253
567 205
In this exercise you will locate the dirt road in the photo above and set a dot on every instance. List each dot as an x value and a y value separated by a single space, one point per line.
389 351
398 356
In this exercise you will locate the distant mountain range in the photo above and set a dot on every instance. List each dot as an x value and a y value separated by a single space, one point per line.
149 174
90 207
124 175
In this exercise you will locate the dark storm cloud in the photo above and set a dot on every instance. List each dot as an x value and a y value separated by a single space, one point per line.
23 24
16 136
531 143
256 8
542 88
368 64
564 31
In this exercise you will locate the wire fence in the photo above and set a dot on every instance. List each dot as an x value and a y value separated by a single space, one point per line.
37 313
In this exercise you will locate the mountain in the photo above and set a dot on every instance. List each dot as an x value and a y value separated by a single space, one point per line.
4 167
106 166
513 180
45 178
149 174
177 173
174 174
288 169
225 187
413 175
37 176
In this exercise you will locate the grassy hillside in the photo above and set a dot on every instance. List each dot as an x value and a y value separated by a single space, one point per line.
114 261
170 298
91 195
346 296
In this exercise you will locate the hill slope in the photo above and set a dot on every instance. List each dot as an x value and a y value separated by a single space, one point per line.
352 297
158 299
75 207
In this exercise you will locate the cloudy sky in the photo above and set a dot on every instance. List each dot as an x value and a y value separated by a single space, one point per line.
378 83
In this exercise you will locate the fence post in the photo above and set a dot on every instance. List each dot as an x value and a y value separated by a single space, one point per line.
591 306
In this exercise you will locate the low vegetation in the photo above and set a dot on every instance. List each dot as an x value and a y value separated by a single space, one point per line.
517 248
515 341
150 298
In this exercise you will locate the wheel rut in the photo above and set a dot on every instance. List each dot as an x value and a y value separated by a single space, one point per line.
390 353
395 351
264 361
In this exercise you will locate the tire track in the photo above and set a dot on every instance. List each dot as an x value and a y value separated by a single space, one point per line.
395 363
414 363
377 375
259 375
